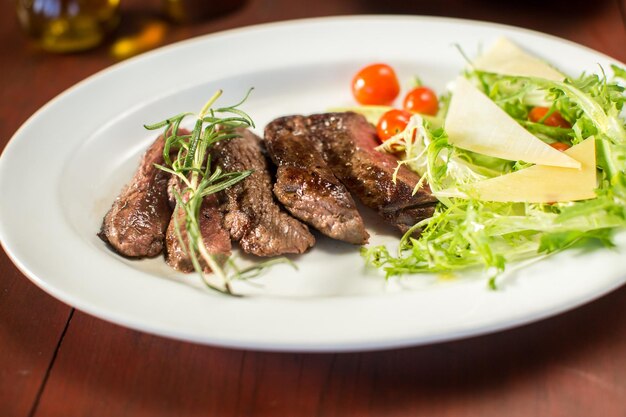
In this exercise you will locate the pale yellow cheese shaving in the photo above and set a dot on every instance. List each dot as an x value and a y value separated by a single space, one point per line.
504 57
476 123
539 183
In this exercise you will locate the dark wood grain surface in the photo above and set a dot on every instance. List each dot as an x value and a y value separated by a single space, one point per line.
55 361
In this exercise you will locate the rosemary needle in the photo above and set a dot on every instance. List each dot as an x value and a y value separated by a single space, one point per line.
192 166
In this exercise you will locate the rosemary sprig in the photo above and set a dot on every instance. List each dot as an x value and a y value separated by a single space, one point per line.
192 166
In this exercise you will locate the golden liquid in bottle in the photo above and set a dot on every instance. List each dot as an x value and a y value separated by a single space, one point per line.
186 11
68 25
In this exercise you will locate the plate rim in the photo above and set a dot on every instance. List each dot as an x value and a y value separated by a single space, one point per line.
270 346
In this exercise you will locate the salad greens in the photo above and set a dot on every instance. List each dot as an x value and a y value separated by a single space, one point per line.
467 232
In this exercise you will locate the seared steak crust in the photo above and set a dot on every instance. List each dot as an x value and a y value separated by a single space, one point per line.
252 216
306 186
348 142
136 223
215 237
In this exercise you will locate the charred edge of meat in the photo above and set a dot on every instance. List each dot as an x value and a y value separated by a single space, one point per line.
135 225
252 217
349 143
305 184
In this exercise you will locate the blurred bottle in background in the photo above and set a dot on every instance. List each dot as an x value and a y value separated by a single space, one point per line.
68 25
189 11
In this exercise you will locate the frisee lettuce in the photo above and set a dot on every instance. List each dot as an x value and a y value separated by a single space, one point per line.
471 233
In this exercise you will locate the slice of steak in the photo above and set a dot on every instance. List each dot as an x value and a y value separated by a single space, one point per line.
306 186
349 141
252 216
136 223
215 237
174 186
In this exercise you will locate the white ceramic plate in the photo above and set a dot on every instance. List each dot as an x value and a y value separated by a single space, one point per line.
63 168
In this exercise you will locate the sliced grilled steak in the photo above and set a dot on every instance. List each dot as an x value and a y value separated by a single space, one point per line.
173 186
349 141
215 237
136 223
252 216
306 186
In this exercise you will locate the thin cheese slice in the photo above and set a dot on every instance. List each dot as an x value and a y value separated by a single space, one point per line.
476 123
545 184
504 57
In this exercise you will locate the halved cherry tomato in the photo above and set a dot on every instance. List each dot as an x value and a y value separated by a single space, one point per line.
391 123
375 84
560 146
422 100
555 119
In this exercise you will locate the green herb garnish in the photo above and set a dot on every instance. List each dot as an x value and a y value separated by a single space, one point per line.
200 178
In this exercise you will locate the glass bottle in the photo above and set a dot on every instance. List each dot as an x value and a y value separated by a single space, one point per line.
188 11
68 25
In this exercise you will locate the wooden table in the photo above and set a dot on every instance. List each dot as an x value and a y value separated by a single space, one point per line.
56 361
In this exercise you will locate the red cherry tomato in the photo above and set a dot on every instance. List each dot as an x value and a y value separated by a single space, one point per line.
422 100
375 84
560 146
555 119
392 123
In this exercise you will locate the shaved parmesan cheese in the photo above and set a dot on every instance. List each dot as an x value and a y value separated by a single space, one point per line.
476 123
504 57
539 183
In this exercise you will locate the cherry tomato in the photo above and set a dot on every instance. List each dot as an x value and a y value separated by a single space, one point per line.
555 119
392 123
375 84
560 146
422 100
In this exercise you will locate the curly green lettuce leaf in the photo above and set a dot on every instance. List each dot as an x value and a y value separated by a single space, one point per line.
466 233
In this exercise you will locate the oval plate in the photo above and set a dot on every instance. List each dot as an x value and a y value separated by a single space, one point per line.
83 146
